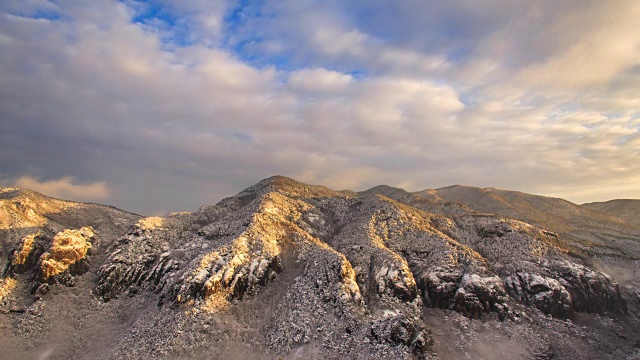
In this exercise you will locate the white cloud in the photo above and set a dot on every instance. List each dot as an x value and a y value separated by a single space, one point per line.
319 80
601 43
65 188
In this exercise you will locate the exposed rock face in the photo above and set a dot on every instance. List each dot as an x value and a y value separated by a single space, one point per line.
591 290
479 295
6 286
138 263
28 253
26 249
45 260
68 253
40 260
399 329
570 288
545 293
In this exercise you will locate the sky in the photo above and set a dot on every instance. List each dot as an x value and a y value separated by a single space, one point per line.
161 106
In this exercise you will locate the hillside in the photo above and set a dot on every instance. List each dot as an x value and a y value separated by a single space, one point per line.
556 213
626 209
590 231
289 270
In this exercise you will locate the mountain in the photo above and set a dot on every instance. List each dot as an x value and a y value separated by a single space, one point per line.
625 209
289 270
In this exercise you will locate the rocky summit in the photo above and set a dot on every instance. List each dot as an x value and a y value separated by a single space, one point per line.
289 270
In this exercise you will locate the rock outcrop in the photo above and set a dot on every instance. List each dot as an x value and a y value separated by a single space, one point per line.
28 253
546 294
139 263
67 254
6 286
567 288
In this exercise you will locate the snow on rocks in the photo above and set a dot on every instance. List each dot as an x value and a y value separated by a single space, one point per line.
354 271
545 293
565 288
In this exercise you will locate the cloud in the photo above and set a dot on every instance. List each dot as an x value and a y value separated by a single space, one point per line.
600 44
319 80
187 104
64 188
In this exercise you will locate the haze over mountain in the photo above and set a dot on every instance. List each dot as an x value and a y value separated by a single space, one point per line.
286 269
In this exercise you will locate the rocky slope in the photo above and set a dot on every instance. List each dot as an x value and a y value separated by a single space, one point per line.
593 235
602 235
285 269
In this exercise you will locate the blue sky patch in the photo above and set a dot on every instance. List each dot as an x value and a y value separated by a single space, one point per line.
175 30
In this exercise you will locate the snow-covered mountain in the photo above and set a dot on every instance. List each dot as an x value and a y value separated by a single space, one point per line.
289 270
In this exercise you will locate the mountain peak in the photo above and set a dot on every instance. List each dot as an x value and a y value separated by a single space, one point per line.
284 185
279 182
385 190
